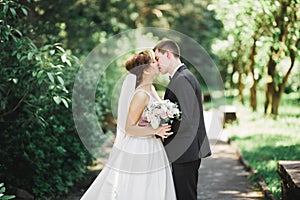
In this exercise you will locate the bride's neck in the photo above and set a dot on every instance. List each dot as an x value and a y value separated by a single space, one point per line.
145 84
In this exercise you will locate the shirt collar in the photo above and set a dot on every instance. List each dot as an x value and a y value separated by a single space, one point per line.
175 70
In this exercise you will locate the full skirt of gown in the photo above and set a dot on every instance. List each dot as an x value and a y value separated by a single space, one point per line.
137 169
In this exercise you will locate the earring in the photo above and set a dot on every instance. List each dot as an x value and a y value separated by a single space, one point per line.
146 72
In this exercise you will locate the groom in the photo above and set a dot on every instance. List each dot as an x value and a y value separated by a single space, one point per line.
189 143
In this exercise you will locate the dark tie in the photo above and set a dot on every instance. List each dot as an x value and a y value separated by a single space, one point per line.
170 77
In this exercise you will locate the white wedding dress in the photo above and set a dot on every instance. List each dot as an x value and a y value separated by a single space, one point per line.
137 169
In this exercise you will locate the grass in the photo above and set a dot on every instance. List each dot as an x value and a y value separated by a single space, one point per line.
264 140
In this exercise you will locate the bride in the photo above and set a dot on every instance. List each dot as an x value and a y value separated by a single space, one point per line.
137 167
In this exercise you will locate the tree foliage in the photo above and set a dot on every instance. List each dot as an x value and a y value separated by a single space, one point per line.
2 191
40 149
262 45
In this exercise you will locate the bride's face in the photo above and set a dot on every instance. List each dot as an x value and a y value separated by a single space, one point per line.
154 67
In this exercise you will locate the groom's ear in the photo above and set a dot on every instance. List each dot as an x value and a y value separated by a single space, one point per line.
169 54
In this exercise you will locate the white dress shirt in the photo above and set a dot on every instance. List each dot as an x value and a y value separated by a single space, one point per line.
175 70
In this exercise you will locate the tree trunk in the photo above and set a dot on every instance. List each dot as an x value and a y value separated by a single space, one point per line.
273 93
275 102
232 86
277 94
241 88
270 87
253 102
240 83
268 93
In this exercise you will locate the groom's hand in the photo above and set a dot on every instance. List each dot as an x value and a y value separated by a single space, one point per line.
163 131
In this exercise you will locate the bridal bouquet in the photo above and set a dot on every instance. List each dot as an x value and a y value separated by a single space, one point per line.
162 112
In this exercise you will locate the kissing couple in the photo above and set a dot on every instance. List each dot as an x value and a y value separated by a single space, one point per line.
155 163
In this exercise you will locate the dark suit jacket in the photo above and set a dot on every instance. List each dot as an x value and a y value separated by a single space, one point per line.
189 141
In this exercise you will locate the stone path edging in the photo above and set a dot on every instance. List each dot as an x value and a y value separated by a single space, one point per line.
261 182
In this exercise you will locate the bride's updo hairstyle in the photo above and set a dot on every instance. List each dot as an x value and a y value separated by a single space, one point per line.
138 63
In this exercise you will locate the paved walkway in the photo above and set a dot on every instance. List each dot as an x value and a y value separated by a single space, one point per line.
223 177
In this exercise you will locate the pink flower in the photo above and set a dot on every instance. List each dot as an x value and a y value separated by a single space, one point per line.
163 114
170 113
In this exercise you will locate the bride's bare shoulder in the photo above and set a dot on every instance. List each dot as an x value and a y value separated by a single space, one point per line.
140 96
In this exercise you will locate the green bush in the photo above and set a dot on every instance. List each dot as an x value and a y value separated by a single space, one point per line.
40 149
2 196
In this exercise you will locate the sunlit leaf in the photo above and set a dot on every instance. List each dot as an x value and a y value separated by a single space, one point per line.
60 48
17 31
50 76
68 62
18 56
39 74
30 54
65 103
61 81
57 99
13 12
5 8
52 52
24 11
34 73
64 58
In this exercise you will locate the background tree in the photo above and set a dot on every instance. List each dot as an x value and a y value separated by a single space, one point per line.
40 149
255 31
284 34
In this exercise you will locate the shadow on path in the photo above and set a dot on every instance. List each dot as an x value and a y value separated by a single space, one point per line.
223 177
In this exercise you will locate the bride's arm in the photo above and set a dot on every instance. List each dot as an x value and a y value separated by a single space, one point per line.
139 102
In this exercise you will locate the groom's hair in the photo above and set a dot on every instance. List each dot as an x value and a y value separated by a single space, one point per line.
170 45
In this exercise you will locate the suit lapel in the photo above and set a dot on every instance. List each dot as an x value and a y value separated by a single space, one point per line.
180 69
167 92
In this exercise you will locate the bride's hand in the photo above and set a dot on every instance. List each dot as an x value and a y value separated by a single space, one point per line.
162 131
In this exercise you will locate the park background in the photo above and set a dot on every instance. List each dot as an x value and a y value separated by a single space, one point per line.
254 44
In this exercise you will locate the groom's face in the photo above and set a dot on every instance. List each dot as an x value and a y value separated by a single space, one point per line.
163 61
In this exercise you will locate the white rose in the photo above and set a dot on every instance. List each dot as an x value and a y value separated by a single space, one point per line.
155 122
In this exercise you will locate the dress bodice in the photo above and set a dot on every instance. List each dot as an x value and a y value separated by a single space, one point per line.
143 120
